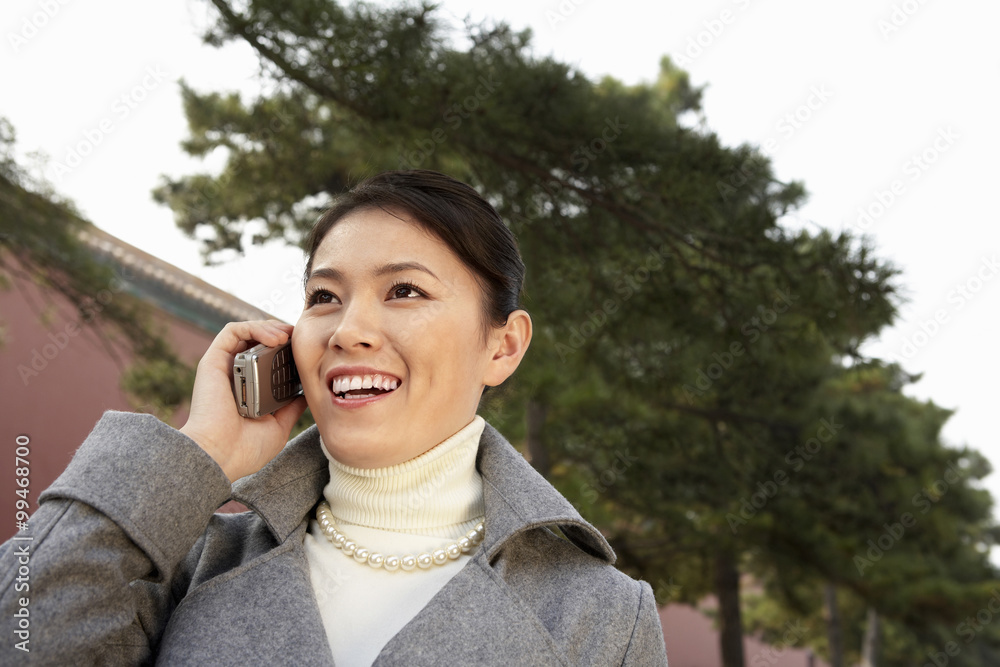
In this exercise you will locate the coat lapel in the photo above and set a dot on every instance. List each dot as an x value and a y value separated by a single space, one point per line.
262 613
518 498
473 620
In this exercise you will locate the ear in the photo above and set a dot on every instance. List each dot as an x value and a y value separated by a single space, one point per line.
508 345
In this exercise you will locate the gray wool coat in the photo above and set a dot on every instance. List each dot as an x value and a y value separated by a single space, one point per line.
128 563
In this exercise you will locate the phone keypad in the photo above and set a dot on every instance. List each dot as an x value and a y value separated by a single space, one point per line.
284 378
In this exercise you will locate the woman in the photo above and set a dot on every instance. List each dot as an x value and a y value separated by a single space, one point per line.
402 529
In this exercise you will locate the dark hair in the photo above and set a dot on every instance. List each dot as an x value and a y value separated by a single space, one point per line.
456 214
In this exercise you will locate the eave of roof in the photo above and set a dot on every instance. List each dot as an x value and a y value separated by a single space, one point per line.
177 291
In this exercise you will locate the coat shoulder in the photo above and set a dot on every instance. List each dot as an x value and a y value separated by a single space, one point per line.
589 607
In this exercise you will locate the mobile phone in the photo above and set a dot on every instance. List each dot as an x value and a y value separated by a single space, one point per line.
265 379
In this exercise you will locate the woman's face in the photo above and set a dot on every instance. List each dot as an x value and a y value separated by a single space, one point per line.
388 304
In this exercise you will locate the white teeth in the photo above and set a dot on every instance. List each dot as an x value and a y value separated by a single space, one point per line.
345 383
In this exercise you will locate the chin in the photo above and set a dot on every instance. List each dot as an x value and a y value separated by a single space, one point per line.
359 447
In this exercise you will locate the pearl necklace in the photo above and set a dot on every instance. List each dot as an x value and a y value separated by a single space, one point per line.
406 563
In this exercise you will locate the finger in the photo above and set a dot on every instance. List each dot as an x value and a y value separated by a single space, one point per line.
238 336
283 326
269 332
289 414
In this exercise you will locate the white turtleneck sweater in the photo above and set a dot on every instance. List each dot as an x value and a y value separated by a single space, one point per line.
417 506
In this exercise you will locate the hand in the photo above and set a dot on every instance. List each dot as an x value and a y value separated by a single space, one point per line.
239 445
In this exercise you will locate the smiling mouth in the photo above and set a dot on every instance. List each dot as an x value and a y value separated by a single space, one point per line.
355 387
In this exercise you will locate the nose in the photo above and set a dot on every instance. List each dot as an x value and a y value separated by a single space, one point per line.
358 328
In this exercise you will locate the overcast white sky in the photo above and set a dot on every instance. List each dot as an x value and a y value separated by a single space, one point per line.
888 106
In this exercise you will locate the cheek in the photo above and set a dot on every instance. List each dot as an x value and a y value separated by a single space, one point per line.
304 346
461 365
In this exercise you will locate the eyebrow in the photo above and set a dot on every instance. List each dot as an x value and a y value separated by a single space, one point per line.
386 269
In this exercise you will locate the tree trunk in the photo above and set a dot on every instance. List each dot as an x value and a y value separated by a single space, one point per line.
833 630
870 644
727 589
537 454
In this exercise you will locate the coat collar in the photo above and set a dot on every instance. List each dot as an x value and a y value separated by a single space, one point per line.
517 498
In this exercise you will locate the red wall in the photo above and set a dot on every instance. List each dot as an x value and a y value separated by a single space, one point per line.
56 379
693 641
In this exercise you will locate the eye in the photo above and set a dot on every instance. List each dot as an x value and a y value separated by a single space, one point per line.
319 296
404 290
